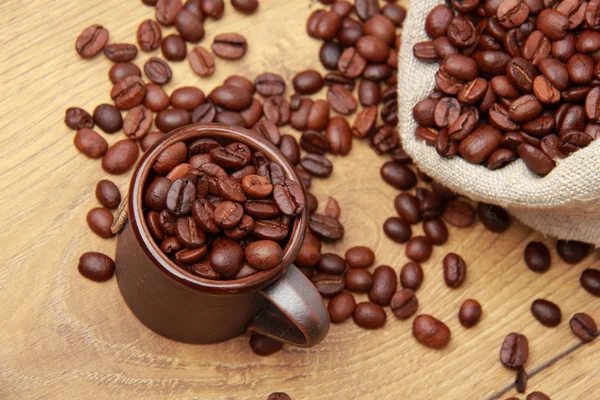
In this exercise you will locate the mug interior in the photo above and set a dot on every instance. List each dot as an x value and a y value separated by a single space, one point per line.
140 181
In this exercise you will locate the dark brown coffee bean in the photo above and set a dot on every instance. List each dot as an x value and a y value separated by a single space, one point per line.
581 69
502 86
228 214
189 26
365 9
149 35
270 230
364 122
202 62
156 194
329 55
419 248
332 208
546 312
289 197
156 98
328 285
307 82
128 92
372 48
317 165
325 227
234 155
204 270
245 7
407 207
100 220
469 313
231 98
77 118
166 11
359 280
512 13
495 218
341 100
122 70
314 142
537 396
411 276
425 51
369 315
480 144
120 157
435 229
572 141
241 230
331 264
514 351
170 157
256 186
180 197
269 84
172 118
263 254
395 12
230 46
191 256
431 332
397 229
137 122
108 194
536 160
173 48
404 303
341 307
384 285
96 266
265 346
277 110
397 175
91 41
584 327
308 256
359 257
328 25
459 214
261 208
339 136
438 20
590 281
120 52
455 270
525 108
230 118
189 233
90 143
226 257
318 116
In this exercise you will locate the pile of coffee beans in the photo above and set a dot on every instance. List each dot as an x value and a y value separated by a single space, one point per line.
220 210
517 79
223 211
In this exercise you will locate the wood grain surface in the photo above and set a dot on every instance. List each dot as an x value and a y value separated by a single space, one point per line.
64 337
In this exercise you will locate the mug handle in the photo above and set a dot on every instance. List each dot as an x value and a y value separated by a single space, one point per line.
296 315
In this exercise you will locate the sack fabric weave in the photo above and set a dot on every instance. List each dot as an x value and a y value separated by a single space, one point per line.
564 204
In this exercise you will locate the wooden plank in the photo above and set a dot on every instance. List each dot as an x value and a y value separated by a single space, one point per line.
65 337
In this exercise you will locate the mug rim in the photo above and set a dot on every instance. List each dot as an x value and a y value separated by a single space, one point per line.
142 234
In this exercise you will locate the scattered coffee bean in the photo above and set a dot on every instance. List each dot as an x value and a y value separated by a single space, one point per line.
584 327
108 194
359 257
108 118
572 251
341 307
120 157
537 257
404 303
470 313
495 218
521 380
264 345
100 220
455 270
514 351
537 396
77 118
546 312
419 248
230 46
96 266
590 281
91 41
397 229
369 315
90 143
431 332
384 285
411 276
331 264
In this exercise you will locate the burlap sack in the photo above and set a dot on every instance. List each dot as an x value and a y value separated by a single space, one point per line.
564 204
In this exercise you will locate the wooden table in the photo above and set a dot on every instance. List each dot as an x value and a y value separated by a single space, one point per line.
64 337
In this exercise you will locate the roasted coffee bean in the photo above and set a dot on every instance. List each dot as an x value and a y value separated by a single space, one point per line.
241 230
307 82
289 197
252 114
328 285
308 256
270 230
231 97
494 218
404 303
469 313
180 197
202 62
438 20
317 165
149 35
230 118
156 98
230 189
228 214
96 266
331 264
191 256
230 46
312 202
277 110
90 143
546 312
341 100
351 64
572 251
269 84
261 208
455 270
359 280
137 122
369 315
411 276
423 112
536 160
108 194
128 92
189 26
329 55
341 307
256 186
120 157
245 7
187 97
170 245
156 194
318 115
480 144
419 248
359 257
172 118
537 257
279 396
182 171
170 157
590 281
537 396
581 69
397 229
395 12
514 351
425 51
332 208
431 332
459 214
364 123
120 52
289 147
407 207
91 41
398 175
122 70
204 270
521 74
444 146
173 48
384 285
226 257
77 118
584 327
436 231
300 113
100 220
372 48
339 136
314 142
328 25
325 227
265 346
189 233
263 254
212 8
369 93
166 11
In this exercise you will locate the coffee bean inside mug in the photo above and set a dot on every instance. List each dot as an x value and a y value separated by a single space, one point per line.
219 233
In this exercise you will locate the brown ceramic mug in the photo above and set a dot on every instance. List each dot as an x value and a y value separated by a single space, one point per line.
280 303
